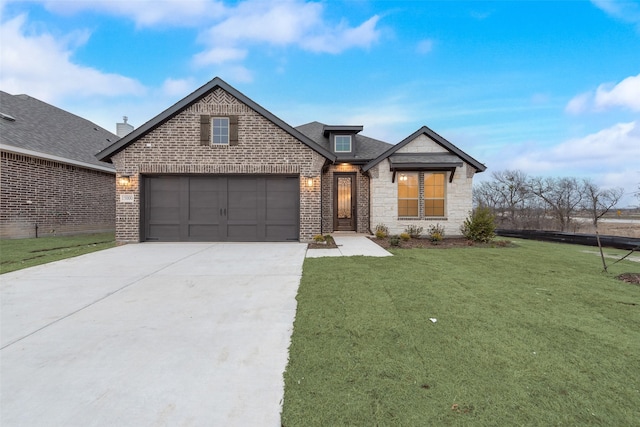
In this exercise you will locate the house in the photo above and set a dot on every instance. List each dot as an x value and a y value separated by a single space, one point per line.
51 182
216 166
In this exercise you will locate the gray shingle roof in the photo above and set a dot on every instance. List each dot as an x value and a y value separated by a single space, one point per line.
366 148
424 159
49 130
434 137
193 97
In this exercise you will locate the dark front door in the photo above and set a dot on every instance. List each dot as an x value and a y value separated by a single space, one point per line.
214 208
344 203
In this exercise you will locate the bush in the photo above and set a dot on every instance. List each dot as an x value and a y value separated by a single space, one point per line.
381 231
405 236
318 238
436 233
479 226
413 231
394 241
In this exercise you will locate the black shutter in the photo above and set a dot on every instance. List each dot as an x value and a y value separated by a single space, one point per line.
233 130
205 129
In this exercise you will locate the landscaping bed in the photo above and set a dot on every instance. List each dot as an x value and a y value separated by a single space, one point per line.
446 243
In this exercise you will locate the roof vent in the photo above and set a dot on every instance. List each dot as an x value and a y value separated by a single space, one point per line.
7 117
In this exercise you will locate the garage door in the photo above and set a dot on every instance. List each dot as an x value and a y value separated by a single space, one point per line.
221 208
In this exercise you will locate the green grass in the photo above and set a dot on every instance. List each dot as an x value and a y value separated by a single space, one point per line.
22 253
531 335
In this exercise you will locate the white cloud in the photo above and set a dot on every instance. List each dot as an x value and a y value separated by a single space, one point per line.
624 10
281 23
579 103
145 12
607 156
625 94
41 66
219 55
178 87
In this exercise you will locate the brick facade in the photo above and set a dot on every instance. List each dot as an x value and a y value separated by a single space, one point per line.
59 198
362 194
174 148
384 194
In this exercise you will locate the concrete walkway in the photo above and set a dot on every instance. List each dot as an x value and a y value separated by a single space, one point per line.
150 335
350 245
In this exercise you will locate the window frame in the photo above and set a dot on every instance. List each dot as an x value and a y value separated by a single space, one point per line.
335 144
402 177
213 130
422 175
425 174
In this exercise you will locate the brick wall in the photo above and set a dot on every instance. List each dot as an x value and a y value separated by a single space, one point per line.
174 147
362 184
59 198
384 194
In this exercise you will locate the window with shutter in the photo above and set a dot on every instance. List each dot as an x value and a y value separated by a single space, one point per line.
218 130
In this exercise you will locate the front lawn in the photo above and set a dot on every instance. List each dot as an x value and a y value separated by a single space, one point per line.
22 253
531 335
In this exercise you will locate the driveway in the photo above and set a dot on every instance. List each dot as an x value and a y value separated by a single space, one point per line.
150 335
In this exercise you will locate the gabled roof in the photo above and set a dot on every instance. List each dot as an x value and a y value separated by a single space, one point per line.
194 97
366 148
435 137
32 127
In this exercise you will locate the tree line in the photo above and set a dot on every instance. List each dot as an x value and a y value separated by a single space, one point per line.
519 201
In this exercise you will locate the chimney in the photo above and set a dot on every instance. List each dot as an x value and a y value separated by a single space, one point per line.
122 129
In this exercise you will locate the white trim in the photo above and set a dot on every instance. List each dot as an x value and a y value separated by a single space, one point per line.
213 118
51 157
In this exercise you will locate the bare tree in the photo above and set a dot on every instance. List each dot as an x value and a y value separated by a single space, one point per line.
512 191
598 201
562 195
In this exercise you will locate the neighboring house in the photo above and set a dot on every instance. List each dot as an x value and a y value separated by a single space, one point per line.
216 166
51 182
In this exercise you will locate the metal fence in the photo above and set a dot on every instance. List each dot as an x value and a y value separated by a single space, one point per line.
573 238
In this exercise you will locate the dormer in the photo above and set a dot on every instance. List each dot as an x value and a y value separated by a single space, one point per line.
342 141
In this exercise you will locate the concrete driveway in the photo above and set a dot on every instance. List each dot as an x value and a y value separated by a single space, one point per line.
150 335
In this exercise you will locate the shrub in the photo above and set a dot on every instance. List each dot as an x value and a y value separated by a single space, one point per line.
381 231
405 236
318 238
413 231
394 241
436 233
479 226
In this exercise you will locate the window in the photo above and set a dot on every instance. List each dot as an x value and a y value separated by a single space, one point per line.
421 194
434 194
342 143
220 130
408 191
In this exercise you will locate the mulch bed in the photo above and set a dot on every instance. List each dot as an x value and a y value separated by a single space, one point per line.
453 242
329 243
633 278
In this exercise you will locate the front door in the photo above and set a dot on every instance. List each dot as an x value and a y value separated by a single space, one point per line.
344 202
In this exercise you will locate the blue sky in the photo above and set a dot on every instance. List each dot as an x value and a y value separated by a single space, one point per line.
552 88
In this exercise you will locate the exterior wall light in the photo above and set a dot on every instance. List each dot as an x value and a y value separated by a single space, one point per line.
403 177
124 180
309 182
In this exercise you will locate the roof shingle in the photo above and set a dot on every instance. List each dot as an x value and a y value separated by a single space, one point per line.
49 130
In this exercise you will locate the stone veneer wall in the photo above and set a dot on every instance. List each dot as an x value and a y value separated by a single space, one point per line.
174 148
384 194
362 182
58 197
